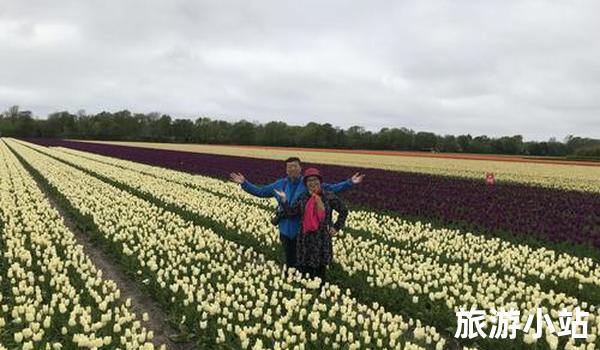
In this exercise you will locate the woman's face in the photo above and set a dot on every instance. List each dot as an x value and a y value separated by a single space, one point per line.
313 184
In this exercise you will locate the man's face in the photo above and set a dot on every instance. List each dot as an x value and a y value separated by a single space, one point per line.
293 169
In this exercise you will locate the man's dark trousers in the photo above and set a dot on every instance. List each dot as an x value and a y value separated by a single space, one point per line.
289 250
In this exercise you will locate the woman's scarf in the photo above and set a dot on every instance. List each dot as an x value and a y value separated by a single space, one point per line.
312 216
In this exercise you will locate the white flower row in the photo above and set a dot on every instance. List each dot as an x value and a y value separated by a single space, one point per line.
231 292
54 288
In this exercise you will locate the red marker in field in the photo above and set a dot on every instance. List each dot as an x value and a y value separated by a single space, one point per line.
490 179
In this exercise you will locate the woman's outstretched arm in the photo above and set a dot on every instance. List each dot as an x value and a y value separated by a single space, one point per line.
344 185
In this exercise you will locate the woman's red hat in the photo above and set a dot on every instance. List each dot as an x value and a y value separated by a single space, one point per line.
312 172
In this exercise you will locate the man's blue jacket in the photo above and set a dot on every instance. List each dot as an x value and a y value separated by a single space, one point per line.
289 227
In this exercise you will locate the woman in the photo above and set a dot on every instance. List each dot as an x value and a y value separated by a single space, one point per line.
314 247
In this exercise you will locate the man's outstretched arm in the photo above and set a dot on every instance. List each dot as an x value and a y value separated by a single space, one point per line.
259 191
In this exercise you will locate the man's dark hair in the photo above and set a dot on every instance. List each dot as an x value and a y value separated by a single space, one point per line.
293 159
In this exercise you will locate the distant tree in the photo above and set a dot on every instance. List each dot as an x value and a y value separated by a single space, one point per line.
481 144
394 139
16 122
183 130
425 141
449 143
243 133
272 134
355 137
464 143
588 151
573 143
556 148
61 124
161 128
507 145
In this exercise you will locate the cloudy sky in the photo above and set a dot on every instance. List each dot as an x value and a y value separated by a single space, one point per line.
480 67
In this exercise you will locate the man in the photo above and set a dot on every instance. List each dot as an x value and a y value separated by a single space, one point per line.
293 186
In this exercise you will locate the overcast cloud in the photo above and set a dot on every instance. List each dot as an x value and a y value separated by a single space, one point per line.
480 67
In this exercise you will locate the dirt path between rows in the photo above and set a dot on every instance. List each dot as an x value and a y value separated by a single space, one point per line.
140 302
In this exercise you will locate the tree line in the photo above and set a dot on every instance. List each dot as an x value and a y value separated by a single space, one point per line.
127 126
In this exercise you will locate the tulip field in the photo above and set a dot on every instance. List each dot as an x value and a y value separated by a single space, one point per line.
417 247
